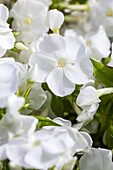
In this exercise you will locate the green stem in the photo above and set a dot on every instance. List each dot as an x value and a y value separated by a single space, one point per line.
27 89
77 7
105 91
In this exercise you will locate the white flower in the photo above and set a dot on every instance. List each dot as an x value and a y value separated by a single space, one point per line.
94 159
29 19
40 150
62 63
48 146
88 100
7 39
74 141
102 14
98 44
54 19
13 125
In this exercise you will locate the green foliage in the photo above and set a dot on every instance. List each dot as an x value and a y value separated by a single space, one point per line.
103 74
62 105
109 137
105 118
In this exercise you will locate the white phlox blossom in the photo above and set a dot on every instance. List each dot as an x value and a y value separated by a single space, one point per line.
101 13
98 44
88 100
75 141
54 19
48 146
7 39
29 19
94 159
13 125
62 63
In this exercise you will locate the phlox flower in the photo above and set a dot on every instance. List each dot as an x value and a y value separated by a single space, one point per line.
13 124
97 42
62 63
101 13
48 146
29 19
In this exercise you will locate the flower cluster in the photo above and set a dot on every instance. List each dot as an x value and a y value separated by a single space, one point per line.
56 78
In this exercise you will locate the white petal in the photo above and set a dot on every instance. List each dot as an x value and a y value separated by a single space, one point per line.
45 65
89 93
79 73
75 50
8 80
7 40
37 96
59 84
54 19
4 13
52 43
2 52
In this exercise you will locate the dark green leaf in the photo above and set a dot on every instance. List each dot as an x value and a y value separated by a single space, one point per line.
103 74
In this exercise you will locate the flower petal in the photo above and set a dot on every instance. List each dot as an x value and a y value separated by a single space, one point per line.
59 84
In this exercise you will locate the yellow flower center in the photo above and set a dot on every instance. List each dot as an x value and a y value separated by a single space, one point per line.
109 13
27 20
61 63
88 43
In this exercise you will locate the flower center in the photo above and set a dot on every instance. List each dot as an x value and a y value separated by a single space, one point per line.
109 13
27 20
88 43
61 63
37 143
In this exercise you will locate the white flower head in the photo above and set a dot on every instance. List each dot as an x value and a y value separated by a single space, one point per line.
29 19
54 19
101 13
98 44
62 63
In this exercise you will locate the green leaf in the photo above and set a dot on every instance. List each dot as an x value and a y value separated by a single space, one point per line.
109 137
103 74
45 122
57 105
